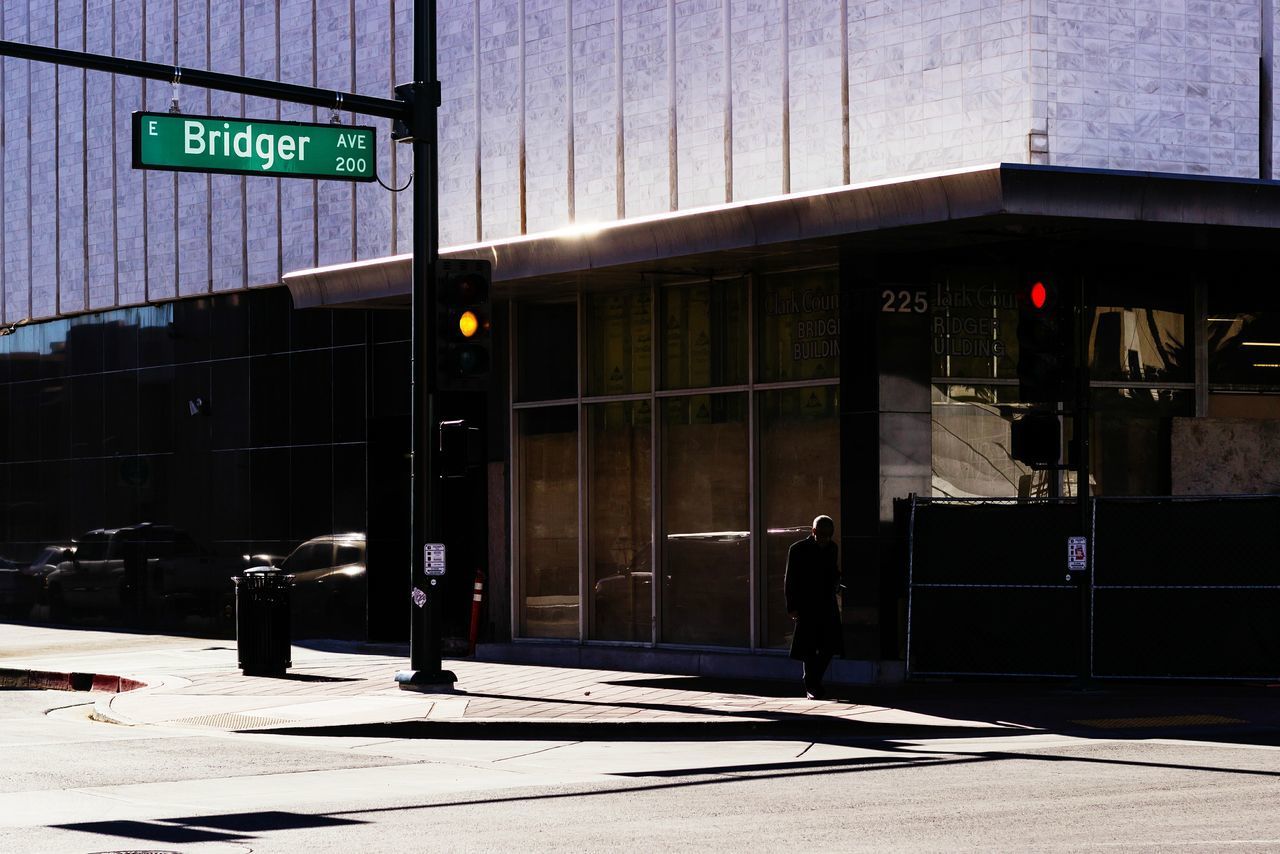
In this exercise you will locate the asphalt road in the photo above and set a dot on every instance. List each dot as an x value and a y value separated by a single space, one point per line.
69 784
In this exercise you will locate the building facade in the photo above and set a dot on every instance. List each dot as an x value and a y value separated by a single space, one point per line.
754 262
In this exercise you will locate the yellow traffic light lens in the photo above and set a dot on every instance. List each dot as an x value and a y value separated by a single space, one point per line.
468 323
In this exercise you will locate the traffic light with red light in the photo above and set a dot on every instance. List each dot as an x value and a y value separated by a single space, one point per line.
464 329
1046 355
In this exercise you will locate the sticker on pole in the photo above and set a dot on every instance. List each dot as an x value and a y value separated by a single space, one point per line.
1077 554
419 598
433 559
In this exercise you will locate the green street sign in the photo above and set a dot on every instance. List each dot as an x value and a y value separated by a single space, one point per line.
181 143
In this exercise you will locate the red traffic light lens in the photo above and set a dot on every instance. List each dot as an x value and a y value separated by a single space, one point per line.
1039 295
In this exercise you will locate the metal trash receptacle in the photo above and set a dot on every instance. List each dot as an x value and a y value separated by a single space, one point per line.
262 623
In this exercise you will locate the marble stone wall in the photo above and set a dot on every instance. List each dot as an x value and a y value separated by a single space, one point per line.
578 111
1225 456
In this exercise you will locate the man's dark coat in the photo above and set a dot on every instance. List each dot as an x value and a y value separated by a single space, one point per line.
813 575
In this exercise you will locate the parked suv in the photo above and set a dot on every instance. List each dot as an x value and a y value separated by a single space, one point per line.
144 574
329 586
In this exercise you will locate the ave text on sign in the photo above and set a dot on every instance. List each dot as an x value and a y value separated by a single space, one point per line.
180 143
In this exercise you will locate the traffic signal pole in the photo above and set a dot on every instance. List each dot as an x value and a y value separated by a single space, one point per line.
427 593
414 112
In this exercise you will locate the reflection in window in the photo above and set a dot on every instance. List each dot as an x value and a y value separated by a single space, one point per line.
620 521
706 521
971 445
704 335
548 479
1132 433
1244 349
619 342
800 477
1139 345
799 326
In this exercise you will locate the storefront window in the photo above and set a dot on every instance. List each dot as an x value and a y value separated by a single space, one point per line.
547 351
620 520
704 335
799 326
800 479
619 330
971 445
973 330
1244 337
706 522
1139 336
548 478
1131 441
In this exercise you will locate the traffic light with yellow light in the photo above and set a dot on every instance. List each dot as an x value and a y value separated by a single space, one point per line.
1046 353
464 329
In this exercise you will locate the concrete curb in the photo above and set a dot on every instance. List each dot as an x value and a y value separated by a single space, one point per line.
49 680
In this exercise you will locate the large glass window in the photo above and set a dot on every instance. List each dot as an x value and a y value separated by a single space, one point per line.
1244 337
1139 336
1132 434
547 351
706 521
973 326
619 342
799 326
800 479
704 335
971 445
620 521
548 478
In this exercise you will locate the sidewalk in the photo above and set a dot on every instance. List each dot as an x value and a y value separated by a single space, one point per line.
336 688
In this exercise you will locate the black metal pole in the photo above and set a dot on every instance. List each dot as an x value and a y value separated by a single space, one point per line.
1082 428
427 593
366 105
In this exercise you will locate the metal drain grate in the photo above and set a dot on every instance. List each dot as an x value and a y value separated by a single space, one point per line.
230 720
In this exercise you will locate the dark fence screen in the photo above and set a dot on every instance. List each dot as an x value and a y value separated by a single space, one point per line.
1176 588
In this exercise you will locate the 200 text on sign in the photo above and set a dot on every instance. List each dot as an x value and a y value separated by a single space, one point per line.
181 143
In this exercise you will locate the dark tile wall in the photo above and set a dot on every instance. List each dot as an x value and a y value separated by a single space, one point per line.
97 427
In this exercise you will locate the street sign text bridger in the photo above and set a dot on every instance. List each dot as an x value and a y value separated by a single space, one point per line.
181 143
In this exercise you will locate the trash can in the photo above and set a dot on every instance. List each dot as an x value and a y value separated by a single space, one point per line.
262 622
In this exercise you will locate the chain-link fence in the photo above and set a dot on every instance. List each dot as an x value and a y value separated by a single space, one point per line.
988 594
1176 588
1186 587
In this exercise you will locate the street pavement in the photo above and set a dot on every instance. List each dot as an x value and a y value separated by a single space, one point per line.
342 688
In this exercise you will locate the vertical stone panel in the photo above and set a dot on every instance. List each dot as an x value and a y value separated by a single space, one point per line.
402 72
160 186
335 221
70 153
193 189
99 161
546 132
595 110
816 127
500 52
373 77
298 195
757 98
645 106
131 248
261 197
700 93
226 202
17 153
455 37
44 163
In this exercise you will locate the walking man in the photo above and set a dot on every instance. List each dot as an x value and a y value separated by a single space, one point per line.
813 576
